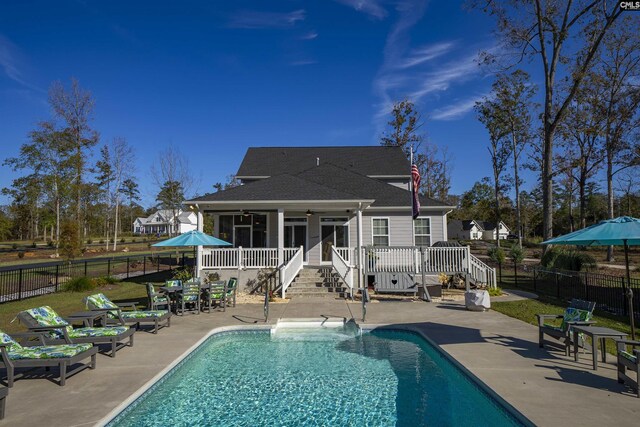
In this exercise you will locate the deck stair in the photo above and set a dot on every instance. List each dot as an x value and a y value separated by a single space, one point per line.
317 281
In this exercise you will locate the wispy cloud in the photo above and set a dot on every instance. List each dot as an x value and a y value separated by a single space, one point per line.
456 71
370 7
302 62
426 53
11 64
457 109
310 35
253 19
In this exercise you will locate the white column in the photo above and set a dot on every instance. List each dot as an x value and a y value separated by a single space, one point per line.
280 236
359 244
200 226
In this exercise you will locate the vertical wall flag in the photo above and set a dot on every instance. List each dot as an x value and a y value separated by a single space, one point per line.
415 180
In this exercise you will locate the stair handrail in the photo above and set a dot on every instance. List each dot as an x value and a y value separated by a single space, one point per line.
291 269
343 269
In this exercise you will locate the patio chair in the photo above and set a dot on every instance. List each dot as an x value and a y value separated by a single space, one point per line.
157 299
216 293
629 360
579 312
59 331
189 297
117 316
64 356
232 290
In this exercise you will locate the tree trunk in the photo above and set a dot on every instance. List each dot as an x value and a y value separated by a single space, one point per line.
547 182
115 227
582 183
517 184
57 224
610 257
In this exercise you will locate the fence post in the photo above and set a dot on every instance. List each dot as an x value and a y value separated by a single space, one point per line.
108 267
20 284
555 273
535 282
144 265
182 263
127 267
85 267
158 262
57 276
586 286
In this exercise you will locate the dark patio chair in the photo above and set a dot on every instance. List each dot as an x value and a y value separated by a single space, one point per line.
629 359
189 297
117 316
157 299
579 312
64 356
215 294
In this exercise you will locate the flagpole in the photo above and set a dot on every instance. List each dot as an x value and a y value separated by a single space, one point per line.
411 179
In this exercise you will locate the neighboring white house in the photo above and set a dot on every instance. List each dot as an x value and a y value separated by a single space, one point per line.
491 232
464 229
164 222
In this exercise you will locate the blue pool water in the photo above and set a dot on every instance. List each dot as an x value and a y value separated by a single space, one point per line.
382 378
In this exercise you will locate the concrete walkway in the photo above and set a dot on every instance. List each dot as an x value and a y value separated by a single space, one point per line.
547 387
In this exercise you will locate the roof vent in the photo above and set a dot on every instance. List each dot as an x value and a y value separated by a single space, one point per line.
317 161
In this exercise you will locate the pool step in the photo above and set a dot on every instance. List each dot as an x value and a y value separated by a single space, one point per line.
324 329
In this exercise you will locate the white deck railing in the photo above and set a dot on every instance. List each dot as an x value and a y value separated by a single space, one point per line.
341 266
415 260
346 254
291 269
234 258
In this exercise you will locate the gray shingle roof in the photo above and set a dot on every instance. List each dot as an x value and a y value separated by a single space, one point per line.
365 160
324 182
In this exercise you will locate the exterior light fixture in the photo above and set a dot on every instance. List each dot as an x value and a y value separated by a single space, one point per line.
309 213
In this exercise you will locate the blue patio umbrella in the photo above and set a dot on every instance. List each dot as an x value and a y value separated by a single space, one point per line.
624 230
193 238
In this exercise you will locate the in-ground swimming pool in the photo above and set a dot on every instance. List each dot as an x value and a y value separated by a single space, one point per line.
382 378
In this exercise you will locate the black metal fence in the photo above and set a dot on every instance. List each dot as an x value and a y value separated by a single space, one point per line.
19 282
608 292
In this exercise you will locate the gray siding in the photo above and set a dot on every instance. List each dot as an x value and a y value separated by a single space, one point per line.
401 227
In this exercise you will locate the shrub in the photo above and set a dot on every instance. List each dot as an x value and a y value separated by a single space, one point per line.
532 242
182 273
21 254
495 292
34 245
214 276
516 254
111 240
564 259
497 255
89 241
121 240
50 243
14 246
133 240
101 241
79 284
69 241
104 280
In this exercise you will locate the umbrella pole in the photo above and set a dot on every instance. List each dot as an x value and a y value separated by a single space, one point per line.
629 291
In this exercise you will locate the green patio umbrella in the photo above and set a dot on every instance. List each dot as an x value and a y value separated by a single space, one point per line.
624 230
193 238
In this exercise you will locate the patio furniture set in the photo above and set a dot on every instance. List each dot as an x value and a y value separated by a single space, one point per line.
54 341
576 326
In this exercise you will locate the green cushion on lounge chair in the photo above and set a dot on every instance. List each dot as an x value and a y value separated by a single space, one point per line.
143 314
629 356
6 339
101 301
110 331
46 316
574 315
190 297
49 351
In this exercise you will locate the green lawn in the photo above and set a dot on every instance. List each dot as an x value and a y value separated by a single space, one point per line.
526 311
65 303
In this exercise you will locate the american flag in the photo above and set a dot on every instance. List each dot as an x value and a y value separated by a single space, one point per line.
415 180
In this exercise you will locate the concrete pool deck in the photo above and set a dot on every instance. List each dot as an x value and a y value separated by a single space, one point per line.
544 385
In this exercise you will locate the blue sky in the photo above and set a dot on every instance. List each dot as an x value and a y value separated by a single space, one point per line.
213 78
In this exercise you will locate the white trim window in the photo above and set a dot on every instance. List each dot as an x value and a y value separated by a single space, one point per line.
422 231
380 231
